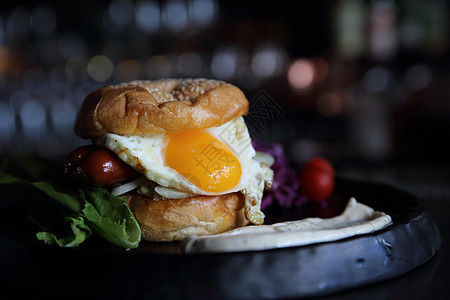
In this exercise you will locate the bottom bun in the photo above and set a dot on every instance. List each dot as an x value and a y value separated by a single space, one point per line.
175 219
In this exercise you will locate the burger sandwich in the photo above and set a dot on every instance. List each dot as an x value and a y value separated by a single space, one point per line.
179 150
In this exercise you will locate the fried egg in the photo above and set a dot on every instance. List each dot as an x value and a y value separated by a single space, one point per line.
210 161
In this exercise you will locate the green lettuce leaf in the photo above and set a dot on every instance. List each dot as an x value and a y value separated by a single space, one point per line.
111 218
79 229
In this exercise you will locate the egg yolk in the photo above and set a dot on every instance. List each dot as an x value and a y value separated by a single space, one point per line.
203 160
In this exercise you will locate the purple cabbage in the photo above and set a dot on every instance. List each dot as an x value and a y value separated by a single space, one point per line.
286 185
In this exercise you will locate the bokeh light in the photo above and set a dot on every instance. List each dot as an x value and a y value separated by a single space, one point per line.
329 105
158 66
174 15
128 70
377 79
121 12
268 60
62 115
147 16
18 22
76 68
301 74
189 64
33 119
224 63
5 59
100 68
202 12
418 77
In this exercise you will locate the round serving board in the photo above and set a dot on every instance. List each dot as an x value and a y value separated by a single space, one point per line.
161 270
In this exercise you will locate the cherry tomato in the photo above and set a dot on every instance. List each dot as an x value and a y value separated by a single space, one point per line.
320 163
317 179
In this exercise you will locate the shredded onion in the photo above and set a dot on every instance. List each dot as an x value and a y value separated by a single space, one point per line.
126 187
264 157
171 193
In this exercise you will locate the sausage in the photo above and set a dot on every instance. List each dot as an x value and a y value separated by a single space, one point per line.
98 167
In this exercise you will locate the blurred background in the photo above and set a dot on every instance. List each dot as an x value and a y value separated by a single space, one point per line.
363 83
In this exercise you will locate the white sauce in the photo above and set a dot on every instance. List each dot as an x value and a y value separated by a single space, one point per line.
357 219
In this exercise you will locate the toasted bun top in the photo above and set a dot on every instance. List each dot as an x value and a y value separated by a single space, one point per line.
153 107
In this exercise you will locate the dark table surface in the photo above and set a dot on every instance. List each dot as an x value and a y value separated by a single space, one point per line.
429 281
